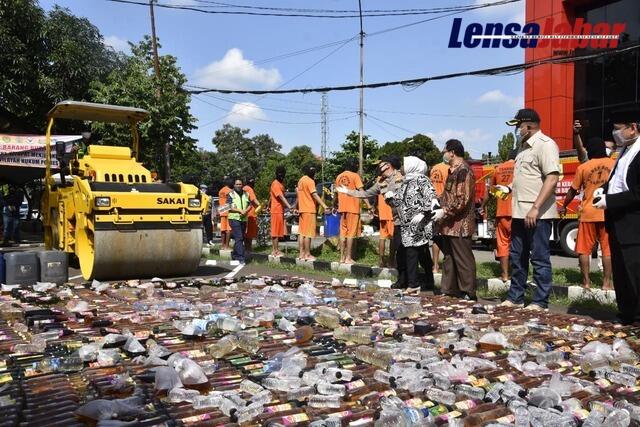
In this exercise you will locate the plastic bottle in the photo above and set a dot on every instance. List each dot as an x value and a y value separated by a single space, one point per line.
634 410
331 389
383 377
320 401
592 361
521 414
620 378
550 357
373 357
470 391
285 325
334 374
311 377
594 419
204 402
248 413
441 396
301 393
248 343
230 324
223 347
250 387
178 395
227 406
406 310
627 368
617 418
441 382
262 398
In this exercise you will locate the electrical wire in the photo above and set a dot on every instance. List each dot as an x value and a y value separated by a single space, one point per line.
311 15
419 81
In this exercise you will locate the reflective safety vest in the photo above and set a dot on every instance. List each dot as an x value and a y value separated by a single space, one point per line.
238 202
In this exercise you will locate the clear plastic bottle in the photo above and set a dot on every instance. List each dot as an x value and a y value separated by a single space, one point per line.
311 377
321 401
285 325
177 395
335 374
634 410
592 361
383 376
550 357
594 419
248 413
620 378
328 318
227 406
230 324
627 368
441 396
494 393
470 391
250 387
617 418
301 393
262 398
331 389
223 347
441 382
381 359
404 311
248 343
209 401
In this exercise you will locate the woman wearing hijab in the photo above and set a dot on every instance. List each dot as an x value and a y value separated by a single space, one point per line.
414 201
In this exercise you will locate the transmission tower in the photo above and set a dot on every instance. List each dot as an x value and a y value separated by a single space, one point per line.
324 131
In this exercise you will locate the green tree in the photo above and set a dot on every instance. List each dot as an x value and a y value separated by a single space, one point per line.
506 144
350 149
240 155
46 58
293 162
199 166
136 85
419 145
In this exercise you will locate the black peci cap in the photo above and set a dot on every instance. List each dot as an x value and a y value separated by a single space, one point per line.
524 115
625 115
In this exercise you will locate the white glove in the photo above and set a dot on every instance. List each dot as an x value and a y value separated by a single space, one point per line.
342 189
438 214
435 204
389 195
417 219
600 202
503 188
598 192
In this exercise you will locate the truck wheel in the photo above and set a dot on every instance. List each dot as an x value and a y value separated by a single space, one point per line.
568 237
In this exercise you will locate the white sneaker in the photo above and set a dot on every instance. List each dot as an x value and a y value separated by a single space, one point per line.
508 303
535 307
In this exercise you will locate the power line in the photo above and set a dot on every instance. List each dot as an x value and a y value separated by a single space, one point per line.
315 113
422 80
197 8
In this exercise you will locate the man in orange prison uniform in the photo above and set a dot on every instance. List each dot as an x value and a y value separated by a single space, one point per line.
252 216
308 200
225 228
589 176
438 176
349 209
276 207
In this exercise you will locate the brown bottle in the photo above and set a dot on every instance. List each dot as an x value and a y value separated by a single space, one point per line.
480 418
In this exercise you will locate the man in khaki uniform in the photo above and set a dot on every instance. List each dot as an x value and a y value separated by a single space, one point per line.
535 177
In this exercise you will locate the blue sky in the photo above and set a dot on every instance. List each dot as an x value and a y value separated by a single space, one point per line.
228 51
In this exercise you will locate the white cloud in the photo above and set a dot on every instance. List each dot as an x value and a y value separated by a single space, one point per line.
234 71
117 43
497 96
243 112
470 138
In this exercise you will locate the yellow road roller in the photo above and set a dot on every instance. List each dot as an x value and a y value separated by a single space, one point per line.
104 209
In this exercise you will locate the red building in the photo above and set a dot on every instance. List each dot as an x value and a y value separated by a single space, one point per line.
586 90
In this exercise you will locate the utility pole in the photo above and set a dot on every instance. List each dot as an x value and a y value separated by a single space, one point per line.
156 66
323 130
360 145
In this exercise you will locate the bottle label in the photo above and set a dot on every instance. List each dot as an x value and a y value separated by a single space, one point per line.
504 378
580 414
449 415
603 383
465 405
340 414
507 419
278 408
294 418
196 418
482 382
438 410
355 384
361 422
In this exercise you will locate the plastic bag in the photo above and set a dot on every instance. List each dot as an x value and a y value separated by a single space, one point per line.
77 306
496 338
167 378
190 372
99 409
133 346
108 357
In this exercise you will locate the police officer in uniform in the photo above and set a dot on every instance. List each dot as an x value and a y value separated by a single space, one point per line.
620 198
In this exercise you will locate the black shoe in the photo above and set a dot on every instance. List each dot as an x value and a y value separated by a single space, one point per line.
399 286
468 297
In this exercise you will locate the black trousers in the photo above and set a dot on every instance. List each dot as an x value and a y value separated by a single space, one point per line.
625 262
208 227
407 260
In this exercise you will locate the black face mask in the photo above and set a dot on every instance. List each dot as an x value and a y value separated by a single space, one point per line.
239 191
280 178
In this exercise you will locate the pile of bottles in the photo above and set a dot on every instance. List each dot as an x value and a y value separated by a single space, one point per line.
282 351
